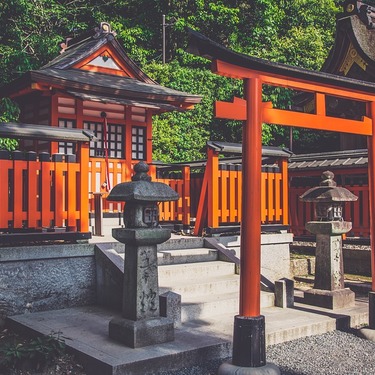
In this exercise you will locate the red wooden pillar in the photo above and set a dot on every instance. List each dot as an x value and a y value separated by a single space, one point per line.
371 184
249 344
251 201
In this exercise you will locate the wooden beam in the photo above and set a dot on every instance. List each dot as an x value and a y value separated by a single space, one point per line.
318 122
234 111
232 71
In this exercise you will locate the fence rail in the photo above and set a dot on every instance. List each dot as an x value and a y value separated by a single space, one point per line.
39 193
55 193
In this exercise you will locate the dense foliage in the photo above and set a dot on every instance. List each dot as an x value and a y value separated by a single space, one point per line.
297 32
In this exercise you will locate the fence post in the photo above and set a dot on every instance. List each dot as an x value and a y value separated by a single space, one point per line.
83 186
98 212
186 196
213 189
285 190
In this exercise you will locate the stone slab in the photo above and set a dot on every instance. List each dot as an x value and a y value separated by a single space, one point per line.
140 333
86 332
335 299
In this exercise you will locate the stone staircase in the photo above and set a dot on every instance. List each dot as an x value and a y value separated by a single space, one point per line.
207 285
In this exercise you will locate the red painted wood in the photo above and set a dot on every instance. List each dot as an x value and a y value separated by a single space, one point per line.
251 198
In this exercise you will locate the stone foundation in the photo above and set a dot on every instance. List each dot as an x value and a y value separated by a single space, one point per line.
46 277
335 299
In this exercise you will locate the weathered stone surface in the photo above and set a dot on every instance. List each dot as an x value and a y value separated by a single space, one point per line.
275 261
141 291
329 266
329 227
284 293
141 236
275 255
335 299
47 282
140 333
329 285
170 307
109 277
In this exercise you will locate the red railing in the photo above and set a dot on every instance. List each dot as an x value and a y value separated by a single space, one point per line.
120 171
50 194
221 195
43 194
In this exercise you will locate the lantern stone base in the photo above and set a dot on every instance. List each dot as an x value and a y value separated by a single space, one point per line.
140 333
329 299
141 236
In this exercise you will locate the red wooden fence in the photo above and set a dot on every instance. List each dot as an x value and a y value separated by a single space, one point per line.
49 194
221 195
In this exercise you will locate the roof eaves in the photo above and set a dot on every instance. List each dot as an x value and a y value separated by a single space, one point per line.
202 46
134 90
236 148
44 132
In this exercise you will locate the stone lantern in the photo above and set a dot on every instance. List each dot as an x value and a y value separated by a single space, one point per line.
329 290
141 323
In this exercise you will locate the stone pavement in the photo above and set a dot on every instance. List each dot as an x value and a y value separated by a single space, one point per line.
85 330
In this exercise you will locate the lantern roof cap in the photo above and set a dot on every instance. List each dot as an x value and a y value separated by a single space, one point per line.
327 191
141 188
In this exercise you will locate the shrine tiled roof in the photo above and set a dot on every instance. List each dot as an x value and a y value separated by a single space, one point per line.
335 159
110 85
353 53
44 132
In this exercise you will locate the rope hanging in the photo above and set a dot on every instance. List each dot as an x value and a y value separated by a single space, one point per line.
107 183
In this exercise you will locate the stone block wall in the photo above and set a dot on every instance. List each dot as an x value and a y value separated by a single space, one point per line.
38 278
275 256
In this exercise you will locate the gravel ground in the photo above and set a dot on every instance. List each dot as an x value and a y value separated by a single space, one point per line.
333 353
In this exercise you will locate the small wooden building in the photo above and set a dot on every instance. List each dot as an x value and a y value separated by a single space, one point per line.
93 86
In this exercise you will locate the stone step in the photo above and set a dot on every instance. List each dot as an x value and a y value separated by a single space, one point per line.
168 274
201 254
206 306
206 286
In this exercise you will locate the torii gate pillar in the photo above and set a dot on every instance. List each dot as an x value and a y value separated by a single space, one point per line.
249 347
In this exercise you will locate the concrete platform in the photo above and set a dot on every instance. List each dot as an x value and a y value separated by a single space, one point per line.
85 330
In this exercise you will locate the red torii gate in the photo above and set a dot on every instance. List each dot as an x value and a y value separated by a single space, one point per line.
256 72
